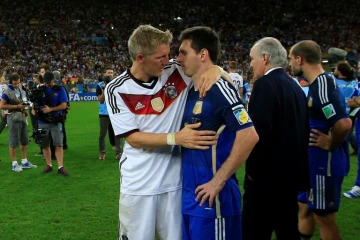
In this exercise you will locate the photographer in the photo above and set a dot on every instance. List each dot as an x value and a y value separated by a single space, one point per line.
105 124
12 100
57 77
50 117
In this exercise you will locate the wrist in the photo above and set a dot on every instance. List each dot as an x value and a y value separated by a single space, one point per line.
171 139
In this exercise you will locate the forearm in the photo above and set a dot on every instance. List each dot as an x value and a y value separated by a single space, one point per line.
101 98
339 133
238 156
354 102
60 107
11 107
147 140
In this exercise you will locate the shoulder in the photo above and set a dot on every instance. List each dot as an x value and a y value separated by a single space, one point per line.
223 88
119 82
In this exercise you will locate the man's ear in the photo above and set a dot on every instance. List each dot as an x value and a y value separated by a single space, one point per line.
140 57
266 59
299 60
204 54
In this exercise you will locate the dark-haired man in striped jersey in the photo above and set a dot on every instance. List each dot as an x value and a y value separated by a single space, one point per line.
328 148
211 199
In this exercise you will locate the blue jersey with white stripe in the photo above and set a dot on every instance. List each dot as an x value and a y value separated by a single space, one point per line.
327 106
356 93
221 106
347 88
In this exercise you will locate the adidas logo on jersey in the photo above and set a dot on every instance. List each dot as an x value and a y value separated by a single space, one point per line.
139 105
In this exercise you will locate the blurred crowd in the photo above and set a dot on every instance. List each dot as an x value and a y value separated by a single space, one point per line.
63 34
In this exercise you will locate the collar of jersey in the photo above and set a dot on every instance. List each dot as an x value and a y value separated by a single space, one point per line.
151 84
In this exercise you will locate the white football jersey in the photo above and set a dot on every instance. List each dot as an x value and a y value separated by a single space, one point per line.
237 79
154 107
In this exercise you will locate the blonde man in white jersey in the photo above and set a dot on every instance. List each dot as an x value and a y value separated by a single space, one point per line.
237 78
145 105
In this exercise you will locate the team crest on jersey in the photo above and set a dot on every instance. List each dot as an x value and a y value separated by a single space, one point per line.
198 107
310 102
171 92
329 111
157 104
241 115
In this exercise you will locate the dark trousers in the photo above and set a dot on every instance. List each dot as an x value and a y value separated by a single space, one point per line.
111 135
268 208
34 122
3 122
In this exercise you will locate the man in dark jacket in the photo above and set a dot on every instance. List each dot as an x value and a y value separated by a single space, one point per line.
278 109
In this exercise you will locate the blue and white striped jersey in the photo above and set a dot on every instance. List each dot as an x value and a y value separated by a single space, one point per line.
327 106
221 106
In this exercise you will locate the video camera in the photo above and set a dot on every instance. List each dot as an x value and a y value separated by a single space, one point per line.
37 135
35 95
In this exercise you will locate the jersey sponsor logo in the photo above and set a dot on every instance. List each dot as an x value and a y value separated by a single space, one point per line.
198 107
139 105
329 111
157 104
242 116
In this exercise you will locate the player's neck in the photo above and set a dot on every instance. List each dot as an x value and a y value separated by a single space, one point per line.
312 72
196 77
138 73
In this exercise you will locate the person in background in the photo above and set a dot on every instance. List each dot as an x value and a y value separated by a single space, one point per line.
50 117
57 80
3 86
347 83
12 100
328 148
278 109
236 77
105 123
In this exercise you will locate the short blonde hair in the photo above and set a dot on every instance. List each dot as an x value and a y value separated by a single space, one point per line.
145 39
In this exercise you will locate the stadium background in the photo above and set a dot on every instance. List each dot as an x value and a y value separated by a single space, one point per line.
79 38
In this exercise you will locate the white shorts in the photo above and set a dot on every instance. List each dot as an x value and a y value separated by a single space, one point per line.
141 217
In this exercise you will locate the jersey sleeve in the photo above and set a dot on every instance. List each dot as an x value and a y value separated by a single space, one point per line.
226 101
122 119
241 81
5 97
98 90
63 95
355 93
331 102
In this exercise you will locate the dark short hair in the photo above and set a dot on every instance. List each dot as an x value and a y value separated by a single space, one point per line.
203 37
45 67
14 77
309 50
346 70
108 67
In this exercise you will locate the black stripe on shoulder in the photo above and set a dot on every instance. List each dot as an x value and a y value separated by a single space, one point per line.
117 82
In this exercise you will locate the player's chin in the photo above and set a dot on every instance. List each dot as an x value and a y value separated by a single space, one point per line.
159 73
